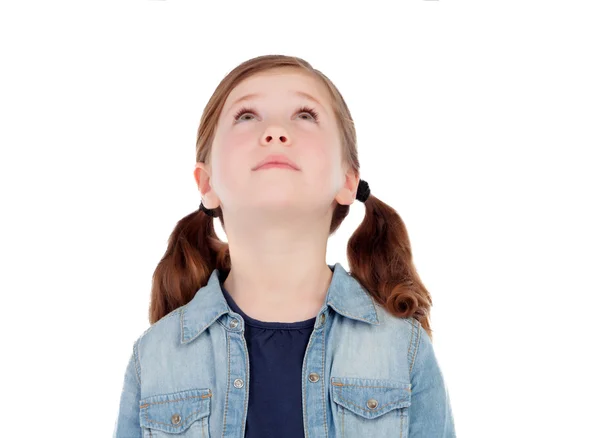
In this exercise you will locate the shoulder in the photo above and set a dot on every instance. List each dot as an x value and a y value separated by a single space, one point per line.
407 332
414 342
405 326
166 327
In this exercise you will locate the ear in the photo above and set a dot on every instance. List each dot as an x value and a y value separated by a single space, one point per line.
347 194
202 175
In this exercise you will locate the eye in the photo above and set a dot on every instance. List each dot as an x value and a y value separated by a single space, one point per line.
311 111
242 111
245 110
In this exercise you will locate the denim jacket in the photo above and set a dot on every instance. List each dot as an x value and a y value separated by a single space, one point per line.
366 373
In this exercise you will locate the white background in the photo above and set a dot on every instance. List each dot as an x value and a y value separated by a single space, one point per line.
477 121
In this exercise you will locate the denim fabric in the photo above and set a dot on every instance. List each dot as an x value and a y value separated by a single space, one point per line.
366 373
276 351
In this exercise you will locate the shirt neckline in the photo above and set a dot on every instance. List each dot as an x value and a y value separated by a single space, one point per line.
266 324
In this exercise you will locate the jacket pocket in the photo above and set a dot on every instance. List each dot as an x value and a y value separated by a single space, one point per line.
184 413
370 407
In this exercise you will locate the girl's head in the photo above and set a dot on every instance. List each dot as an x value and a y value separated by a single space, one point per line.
287 111
281 105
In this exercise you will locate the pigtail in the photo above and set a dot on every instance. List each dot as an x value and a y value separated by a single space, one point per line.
194 250
380 258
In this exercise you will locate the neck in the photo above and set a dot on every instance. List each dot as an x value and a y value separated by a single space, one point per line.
279 279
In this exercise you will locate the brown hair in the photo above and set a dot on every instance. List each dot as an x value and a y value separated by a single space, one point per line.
379 252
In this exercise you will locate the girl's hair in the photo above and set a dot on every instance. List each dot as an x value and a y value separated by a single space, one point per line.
379 251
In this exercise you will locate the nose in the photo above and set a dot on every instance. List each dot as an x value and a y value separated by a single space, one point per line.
275 132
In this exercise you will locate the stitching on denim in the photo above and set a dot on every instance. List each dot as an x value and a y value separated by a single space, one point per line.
181 323
367 410
170 424
369 386
353 316
136 363
246 393
323 380
171 313
401 425
343 433
418 343
374 307
410 346
228 384
145 405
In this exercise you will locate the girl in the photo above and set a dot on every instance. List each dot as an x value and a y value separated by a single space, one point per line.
259 336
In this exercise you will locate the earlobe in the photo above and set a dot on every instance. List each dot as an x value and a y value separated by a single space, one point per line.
347 195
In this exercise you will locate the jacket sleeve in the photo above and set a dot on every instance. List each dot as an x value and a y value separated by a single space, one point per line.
430 413
127 424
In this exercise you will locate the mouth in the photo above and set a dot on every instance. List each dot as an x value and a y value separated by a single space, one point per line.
276 161
275 166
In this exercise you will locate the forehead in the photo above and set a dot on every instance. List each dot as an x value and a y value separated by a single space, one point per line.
279 83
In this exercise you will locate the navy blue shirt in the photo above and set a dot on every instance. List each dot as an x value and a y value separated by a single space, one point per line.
276 352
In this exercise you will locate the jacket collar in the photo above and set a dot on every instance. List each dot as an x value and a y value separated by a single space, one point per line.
345 295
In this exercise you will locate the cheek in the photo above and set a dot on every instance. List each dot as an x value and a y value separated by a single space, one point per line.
321 150
232 160
320 158
236 141
323 163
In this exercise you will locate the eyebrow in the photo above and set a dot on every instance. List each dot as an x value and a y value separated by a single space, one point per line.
255 95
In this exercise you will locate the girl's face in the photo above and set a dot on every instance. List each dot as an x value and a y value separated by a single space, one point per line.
274 113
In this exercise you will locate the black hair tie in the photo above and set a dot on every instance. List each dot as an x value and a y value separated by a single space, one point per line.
210 212
363 191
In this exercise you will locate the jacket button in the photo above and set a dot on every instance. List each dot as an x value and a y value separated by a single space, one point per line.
313 377
234 323
238 383
372 403
176 419
322 318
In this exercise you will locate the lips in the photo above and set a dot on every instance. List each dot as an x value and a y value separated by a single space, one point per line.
276 166
276 159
